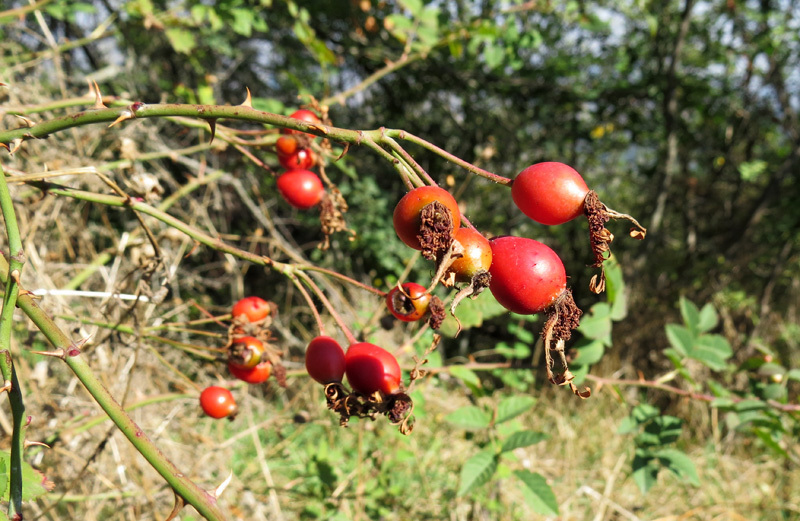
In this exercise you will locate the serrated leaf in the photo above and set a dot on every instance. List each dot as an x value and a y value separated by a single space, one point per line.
523 439
680 464
680 338
512 407
538 494
469 417
690 314
34 483
477 471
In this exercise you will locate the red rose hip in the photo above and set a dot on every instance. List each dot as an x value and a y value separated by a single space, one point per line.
325 361
527 276
549 193
301 188
370 368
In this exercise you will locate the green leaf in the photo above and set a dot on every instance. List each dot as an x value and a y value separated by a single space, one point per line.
181 40
469 417
713 351
242 21
538 493
750 171
679 463
596 325
645 470
477 471
680 338
766 437
523 439
794 374
34 483
708 318
588 352
415 6
468 376
690 314
644 412
472 313
512 407
615 289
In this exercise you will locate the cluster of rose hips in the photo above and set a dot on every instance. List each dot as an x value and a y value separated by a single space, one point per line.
298 185
524 275
250 356
372 372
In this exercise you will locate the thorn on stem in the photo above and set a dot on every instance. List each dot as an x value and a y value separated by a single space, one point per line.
58 353
98 98
222 486
248 101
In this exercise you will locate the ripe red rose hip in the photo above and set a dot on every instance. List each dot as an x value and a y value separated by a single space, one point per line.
300 159
407 214
527 276
303 115
370 368
217 402
325 360
410 304
253 375
549 193
254 308
301 188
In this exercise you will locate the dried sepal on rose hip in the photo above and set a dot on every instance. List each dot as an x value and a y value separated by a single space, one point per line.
553 193
331 215
426 218
376 379
529 278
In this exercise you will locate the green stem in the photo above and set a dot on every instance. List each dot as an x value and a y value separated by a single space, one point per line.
204 502
10 382
402 134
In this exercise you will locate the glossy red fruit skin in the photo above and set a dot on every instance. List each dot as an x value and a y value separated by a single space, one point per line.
304 115
325 360
301 159
254 308
286 145
549 193
527 276
217 402
247 352
370 368
301 188
420 299
254 375
477 255
407 219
